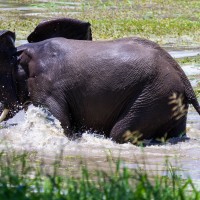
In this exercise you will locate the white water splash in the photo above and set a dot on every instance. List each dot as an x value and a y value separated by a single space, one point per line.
38 131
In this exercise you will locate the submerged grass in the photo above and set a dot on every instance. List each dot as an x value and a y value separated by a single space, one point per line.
190 60
22 180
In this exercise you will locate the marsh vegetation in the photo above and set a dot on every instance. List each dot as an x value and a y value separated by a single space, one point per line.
162 21
22 180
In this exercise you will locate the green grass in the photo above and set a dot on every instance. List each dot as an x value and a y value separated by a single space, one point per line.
20 179
158 20
162 21
189 60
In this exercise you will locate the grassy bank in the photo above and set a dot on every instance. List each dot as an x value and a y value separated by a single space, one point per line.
162 21
21 179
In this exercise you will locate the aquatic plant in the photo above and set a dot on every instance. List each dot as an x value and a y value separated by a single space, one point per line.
21 179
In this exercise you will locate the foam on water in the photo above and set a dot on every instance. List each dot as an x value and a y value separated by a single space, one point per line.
35 132
39 130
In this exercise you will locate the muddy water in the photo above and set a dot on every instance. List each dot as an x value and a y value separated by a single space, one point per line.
38 132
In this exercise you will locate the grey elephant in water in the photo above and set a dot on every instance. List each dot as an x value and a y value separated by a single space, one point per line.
111 87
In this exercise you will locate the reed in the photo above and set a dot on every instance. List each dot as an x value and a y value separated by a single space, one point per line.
20 179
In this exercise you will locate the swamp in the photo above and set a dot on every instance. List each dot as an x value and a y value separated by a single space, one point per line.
38 162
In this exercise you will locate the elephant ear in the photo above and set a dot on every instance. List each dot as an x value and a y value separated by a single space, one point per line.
7 52
8 65
7 42
62 27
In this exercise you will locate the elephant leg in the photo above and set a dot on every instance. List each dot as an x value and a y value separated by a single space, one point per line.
144 126
126 124
179 129
61 112
143 119
118 131
40 95
129 120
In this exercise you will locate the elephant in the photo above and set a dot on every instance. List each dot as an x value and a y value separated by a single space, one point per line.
110 87
61 27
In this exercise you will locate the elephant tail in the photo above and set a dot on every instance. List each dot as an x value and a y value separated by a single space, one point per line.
190 94
195 103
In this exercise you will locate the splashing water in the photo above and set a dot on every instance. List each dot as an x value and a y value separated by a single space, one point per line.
38 131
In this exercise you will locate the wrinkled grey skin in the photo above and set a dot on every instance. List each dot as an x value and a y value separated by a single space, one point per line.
107 86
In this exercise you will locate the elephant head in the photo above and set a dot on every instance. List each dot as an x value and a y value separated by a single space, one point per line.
62 27
8 63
